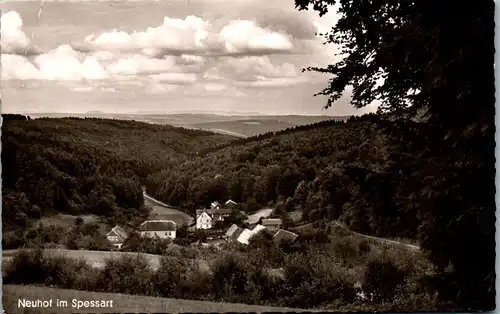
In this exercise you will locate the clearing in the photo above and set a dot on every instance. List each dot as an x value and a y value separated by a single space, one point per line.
122 303
254 218
166 212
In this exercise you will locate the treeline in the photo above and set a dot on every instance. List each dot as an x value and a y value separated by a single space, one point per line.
85 166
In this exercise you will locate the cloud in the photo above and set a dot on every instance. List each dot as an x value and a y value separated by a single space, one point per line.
13 38
205 53
195 36
249 69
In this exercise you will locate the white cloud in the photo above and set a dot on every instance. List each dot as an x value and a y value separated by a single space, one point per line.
240 36
13 38
193 34
117 56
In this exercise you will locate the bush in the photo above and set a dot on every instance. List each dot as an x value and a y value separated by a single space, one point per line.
129 274
235 279
36 267
382 278
313 280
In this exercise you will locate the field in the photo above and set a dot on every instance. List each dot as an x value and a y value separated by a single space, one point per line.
121 303
65 220
98 258
254 218
162 211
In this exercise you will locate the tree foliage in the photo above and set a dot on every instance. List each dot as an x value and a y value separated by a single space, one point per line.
436 58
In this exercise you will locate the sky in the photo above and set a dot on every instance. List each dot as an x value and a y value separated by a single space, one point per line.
165 56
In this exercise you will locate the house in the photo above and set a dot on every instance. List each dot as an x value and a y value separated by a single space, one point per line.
215 205
117 236
203 219
272 223
164 229
233 233
230 204
282 235
245 236
220 213
214 214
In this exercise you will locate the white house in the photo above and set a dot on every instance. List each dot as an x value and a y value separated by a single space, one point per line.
117 236
203 220
163 229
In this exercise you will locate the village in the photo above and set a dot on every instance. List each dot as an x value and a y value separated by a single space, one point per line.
211 220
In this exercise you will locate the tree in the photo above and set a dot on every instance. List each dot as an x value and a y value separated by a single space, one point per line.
418 57
427 57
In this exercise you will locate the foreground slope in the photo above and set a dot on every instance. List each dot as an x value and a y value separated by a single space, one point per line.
122 303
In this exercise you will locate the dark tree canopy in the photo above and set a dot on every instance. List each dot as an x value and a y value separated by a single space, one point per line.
436 55
437 58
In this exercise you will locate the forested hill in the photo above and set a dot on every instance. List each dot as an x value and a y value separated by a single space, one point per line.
79 166
302 168
354 171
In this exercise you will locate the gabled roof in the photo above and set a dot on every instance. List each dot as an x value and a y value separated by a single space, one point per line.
258 229
245 236
119 232
220 211
158 225
200 212
228 202
234 231
214 204
271 222
281 235
213 211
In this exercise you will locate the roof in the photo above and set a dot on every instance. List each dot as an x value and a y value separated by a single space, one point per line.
215 204
120 232
234 232
230 202
158 225
220 211
201 211
281 235
231 230
258 228
245 236
271 222
213 211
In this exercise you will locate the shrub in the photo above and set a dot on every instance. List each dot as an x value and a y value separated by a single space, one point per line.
235 279
129 274
313 280
382 278
36 267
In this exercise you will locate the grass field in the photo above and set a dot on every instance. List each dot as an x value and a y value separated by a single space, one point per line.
254 218
65 220
98 258
160 211
121 303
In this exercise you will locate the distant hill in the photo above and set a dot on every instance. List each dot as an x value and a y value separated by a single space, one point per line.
274 166
231 123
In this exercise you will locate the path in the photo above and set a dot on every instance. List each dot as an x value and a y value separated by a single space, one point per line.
411 246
